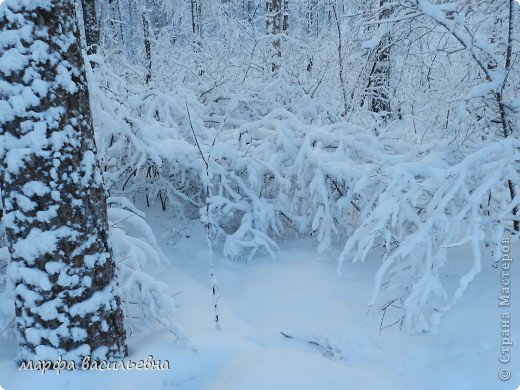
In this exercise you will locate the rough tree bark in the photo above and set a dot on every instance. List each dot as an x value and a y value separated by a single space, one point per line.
66 300
91 25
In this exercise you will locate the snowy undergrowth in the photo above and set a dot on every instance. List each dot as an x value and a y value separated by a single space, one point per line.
270 171
147 303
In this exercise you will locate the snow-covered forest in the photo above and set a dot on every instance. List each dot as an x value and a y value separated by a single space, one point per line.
266 193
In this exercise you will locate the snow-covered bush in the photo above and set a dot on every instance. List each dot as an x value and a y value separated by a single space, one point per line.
146 302
429 203
252 173
255 154
155 147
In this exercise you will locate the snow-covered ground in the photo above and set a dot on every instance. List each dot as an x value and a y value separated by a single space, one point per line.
334 344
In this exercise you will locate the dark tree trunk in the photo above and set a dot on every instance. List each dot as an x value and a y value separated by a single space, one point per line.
196 11
56 222
147 48
91 25
285 26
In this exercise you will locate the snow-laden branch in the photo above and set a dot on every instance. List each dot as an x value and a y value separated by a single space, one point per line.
338 184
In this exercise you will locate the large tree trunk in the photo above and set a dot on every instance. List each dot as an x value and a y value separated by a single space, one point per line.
55 206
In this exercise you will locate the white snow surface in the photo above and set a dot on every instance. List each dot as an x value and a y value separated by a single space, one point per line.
335 344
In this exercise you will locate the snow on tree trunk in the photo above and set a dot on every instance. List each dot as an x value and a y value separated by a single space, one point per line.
91 25
377 89
276 22
66 297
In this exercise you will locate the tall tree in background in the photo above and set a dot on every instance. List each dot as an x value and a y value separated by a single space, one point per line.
196 11
114 18
377 89
55 207
277 21
147 46
91 25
